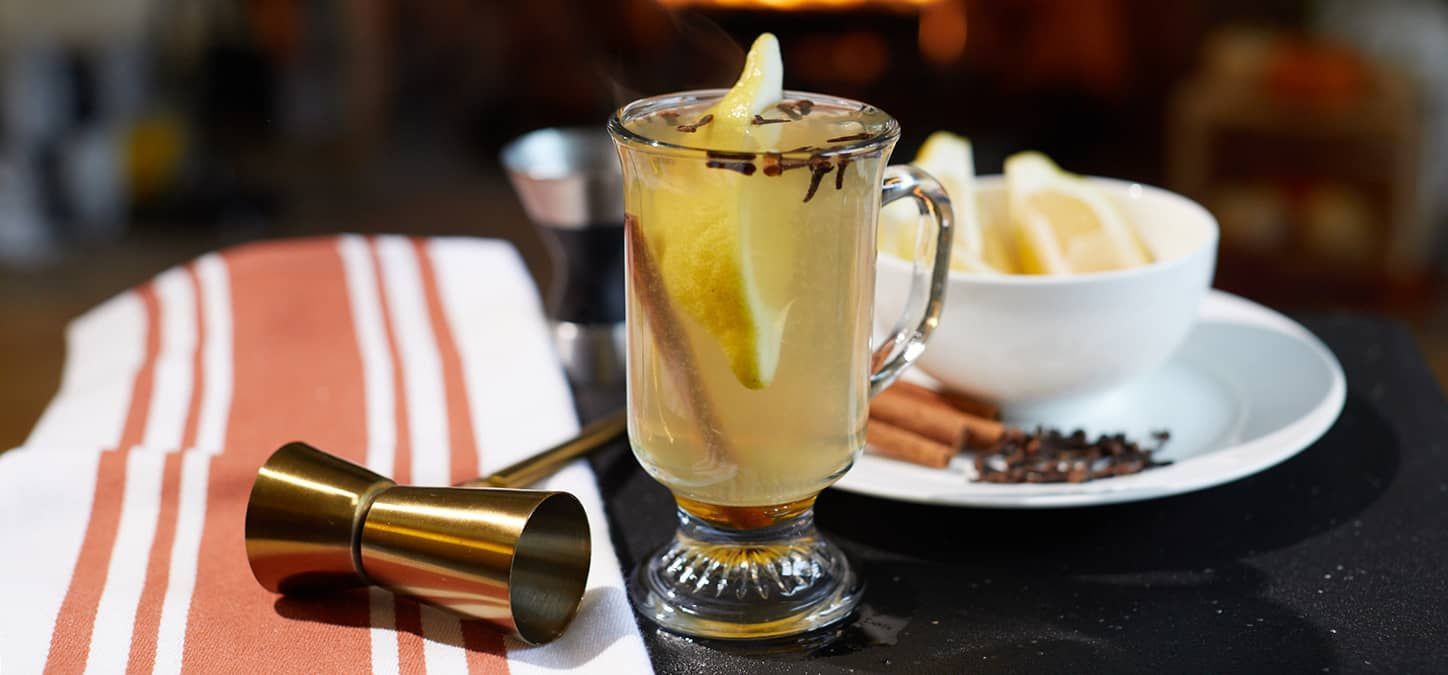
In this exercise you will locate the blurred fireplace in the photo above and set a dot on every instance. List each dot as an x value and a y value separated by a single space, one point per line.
882 51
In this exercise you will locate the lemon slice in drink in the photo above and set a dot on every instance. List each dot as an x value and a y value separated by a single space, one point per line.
760 86
1064 225
724 240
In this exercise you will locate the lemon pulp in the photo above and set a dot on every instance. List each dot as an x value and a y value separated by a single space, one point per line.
979 246
1065 225
724 254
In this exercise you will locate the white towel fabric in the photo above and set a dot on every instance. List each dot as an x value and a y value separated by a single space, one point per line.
121 516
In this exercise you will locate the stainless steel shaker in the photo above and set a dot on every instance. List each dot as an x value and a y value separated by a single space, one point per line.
569 182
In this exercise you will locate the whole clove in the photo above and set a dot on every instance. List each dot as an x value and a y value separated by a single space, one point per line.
742 162
818 167
775 163
759 120
726 154
795 109
696 124
746 168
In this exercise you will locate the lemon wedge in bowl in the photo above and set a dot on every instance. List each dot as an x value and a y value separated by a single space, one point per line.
979 247
1064 225
982 247
725 242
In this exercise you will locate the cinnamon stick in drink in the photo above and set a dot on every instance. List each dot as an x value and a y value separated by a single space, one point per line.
888 440
663 323
937 421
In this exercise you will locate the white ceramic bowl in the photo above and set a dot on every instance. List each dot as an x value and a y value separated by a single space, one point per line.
1034 342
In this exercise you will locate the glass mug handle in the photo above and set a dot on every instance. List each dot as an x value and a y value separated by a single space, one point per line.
927 285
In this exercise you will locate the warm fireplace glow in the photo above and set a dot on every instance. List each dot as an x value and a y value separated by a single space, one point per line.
942 33
801 4
861 57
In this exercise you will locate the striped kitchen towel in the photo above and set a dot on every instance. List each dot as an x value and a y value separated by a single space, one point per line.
121 517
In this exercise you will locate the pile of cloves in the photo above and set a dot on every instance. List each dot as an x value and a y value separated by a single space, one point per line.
1051 456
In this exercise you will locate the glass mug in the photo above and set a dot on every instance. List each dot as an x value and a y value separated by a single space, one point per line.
750 291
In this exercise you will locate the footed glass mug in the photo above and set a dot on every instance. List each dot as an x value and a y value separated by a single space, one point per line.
750 286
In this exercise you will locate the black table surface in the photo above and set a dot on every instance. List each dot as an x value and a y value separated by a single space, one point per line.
1334 561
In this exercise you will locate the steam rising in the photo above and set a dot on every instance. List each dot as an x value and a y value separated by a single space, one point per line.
681 49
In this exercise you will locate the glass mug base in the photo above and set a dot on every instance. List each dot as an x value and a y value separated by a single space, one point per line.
721 582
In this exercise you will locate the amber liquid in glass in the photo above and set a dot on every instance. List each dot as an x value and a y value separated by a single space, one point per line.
731 453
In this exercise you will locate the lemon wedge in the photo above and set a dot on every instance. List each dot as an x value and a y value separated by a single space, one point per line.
760 86
1063 224
978 247
725 242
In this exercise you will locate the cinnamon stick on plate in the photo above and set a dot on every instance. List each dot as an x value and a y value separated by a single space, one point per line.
961 402
937 421
888 440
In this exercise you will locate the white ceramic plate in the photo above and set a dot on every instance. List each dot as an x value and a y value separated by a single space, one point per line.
1248 389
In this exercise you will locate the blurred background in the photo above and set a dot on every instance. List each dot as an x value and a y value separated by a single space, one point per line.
137 134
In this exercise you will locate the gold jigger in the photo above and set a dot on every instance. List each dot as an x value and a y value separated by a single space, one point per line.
515 558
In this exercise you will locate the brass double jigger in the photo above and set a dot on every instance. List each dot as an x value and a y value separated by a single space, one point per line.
515 558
